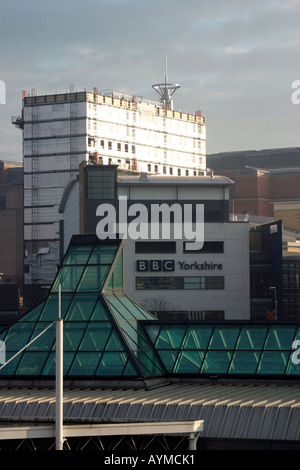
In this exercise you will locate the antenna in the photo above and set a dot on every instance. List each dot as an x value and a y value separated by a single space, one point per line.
166 90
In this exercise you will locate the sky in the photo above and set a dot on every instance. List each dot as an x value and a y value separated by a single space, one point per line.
235 60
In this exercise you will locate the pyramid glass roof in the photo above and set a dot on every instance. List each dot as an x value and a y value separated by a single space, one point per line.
102 336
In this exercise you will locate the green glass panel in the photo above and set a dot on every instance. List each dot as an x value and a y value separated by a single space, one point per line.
32 315
81 307
112 363
133 309
99 313
168 358
93 278
252 337
293 367
18 336
118 273
50 366
244 362
170 337
280 337
118 308
73 332
153 331
45 341
32 363
148 362
216 362
273 362
96 336
114 343
103 254
129 369
50 311
188 362
224 337
10 368
197 337
85 363
78 255
68 277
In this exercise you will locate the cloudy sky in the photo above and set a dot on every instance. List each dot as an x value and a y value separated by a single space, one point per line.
235 60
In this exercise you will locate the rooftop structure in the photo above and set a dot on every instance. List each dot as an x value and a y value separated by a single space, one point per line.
123 365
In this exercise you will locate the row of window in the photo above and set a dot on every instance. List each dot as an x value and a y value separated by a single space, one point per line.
147 247
179 282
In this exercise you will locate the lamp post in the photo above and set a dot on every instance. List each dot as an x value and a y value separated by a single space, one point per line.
59 378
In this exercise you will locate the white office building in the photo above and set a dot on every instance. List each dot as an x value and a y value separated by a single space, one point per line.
62 130
209 283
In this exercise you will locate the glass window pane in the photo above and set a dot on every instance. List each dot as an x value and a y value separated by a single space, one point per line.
244 362
280 337
197 337
273 362
168 358
45 341
32 363
99 313
112 363
78 255
50 366
50 311
81 307
216 362
170 337
103 254
85 363
68 277
96 336
18 336
189 362
73 332
224 337
114 343
252 337
93 278
129 369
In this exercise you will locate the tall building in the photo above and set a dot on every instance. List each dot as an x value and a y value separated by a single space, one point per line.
62 130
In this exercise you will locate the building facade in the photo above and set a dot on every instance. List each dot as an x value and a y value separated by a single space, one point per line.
62 130
211 282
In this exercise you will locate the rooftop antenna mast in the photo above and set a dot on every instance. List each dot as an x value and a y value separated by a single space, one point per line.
166 90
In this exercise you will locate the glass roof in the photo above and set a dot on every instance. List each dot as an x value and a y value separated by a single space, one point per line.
106 334
226 349
102 336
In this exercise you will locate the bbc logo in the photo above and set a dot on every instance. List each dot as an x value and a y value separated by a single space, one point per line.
155 265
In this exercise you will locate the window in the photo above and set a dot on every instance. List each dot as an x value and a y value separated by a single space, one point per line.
133 148
149 168
179 282
109 145
208 247
126 148
102 144
119 147
100 184
155 247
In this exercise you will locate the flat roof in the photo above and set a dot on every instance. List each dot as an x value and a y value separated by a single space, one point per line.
146 179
